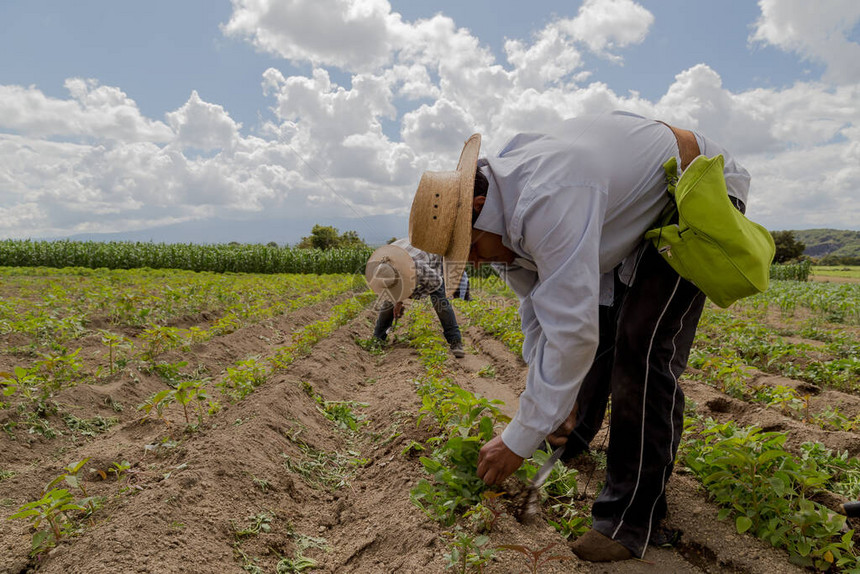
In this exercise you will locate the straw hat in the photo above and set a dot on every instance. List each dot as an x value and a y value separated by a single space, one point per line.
441 218
390 273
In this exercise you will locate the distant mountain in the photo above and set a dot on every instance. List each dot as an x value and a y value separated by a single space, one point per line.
833 242
374 230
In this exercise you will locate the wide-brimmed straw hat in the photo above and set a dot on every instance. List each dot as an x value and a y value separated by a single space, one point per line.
390 273
441 218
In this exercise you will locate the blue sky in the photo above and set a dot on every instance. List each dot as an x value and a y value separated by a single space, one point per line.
119 116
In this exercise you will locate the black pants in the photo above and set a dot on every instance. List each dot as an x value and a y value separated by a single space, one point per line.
645 340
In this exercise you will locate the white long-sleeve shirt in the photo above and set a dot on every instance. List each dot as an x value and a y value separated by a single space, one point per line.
572 205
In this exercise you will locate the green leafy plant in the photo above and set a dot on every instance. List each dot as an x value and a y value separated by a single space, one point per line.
372 345
487 372
765 489
70 476
342 413
119 469
241 380
53 508
116 344
170 372
259 523
455 485
157 403
158 339
483 516
58 368
189 391
467 551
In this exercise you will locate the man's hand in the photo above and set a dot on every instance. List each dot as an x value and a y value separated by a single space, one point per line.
496 462
559 435
398 309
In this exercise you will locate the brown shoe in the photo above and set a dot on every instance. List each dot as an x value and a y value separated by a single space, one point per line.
595 547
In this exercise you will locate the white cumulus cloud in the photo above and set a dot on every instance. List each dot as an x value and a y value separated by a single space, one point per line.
817 31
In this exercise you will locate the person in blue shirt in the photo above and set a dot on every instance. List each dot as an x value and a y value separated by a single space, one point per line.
563 215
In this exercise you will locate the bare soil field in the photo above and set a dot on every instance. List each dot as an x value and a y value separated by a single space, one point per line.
269 480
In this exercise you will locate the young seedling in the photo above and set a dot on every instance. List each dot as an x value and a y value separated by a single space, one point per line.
341 413
157 402
159 339
70 476
487 372
119 469
261 483
188 391
51 508
536 557
467 551
484 515
115 343
372 345
258 523
59 367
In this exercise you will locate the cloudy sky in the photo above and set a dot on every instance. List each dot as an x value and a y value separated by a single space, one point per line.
121 116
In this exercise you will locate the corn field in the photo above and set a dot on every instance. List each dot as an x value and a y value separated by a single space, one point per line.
218 258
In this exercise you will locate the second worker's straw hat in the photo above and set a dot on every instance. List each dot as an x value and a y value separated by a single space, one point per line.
441 217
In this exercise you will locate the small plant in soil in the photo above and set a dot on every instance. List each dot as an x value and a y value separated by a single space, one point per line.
766 489
261 483
170 372
483 516
59 367
342 413
487 372
372 345
455 484
70 476
411 447
844 470
119 469
536 558
157 404
53 508
158 339
8 385
189 391
568 520
259 523
241 380
115 344
468 552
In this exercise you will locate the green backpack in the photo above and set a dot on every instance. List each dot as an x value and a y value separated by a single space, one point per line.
706 240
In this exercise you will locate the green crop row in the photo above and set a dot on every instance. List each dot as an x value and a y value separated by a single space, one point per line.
467 421
767 491
498 317
54 306
834 364
217 258
832 302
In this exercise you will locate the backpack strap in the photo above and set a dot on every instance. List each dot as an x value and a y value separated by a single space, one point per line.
688 147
